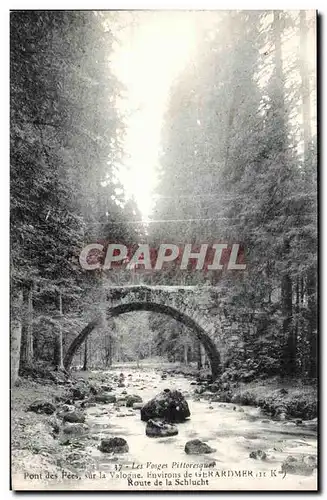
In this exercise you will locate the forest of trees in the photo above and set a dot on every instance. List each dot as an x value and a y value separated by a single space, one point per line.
66 144
238 164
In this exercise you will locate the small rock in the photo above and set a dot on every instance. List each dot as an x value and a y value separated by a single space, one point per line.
66 407
55 425
160 429
74 429
197 447
87 404
258 455
311 460
105 398
93 389
130 400
107 388
73 416
302 466
114 445
213 387
80 391
121 399
42 407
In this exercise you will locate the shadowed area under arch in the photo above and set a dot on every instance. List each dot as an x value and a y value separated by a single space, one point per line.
209 346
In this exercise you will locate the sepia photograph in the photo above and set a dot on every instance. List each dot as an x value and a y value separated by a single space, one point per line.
164 324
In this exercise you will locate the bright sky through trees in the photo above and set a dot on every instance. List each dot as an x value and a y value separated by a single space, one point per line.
152 50
151 54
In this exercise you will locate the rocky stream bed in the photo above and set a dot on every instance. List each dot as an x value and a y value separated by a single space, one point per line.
98 431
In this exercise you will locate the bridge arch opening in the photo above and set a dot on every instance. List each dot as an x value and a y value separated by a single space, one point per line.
112 312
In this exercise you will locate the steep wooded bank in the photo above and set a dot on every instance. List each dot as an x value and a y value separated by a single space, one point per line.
66 136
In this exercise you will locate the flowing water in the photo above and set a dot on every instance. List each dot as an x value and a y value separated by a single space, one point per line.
234 432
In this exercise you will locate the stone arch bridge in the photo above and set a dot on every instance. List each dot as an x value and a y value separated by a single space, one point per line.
199 308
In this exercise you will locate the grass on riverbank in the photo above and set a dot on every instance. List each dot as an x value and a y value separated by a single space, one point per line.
280 398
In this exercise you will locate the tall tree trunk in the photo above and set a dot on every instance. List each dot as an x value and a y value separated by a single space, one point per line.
185 353
108 348
302 290
289 354
111 352
59 361
198 353
16 306
289 358
85 356
297 312
311 275
312 306
26 357
203 355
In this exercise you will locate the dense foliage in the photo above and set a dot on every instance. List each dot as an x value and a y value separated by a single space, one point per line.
239 165
66 144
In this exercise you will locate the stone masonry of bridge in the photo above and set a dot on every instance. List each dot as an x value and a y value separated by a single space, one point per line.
199 308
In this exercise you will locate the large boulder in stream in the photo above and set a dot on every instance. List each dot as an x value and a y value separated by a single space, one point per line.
197 447
156 428
170 406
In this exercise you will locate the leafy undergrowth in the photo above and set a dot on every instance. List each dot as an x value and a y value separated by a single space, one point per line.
278 398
